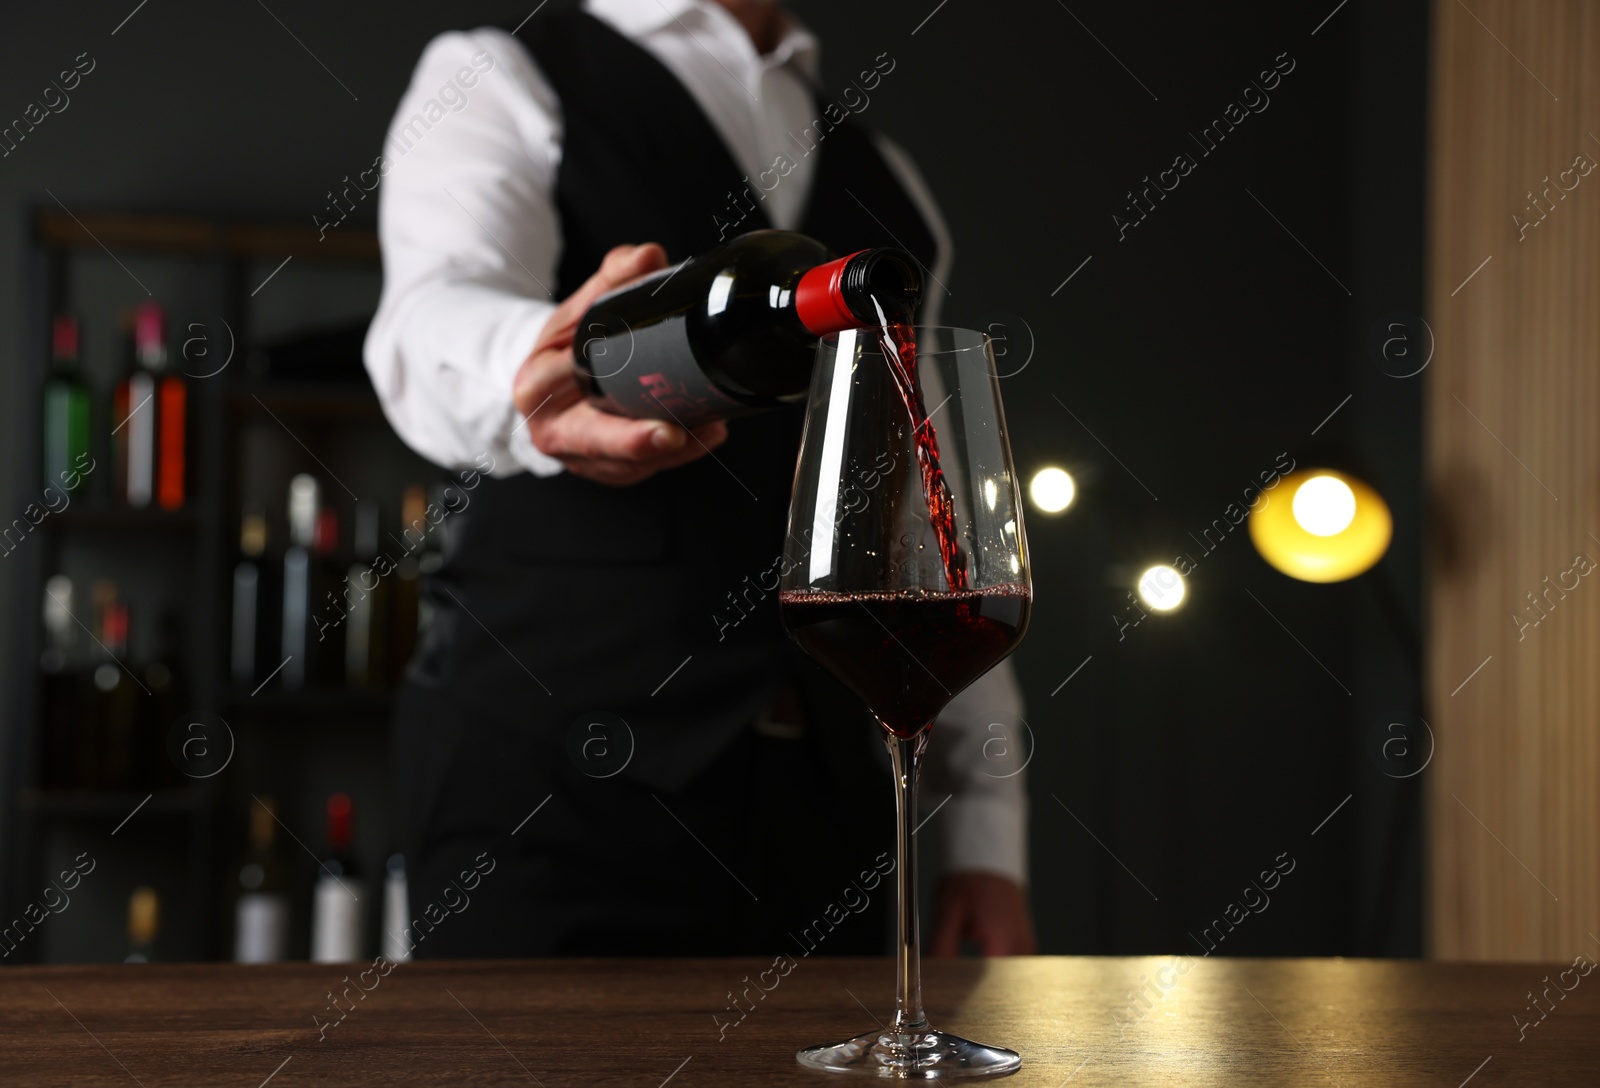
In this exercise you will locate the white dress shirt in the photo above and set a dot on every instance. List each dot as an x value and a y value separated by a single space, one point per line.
471 242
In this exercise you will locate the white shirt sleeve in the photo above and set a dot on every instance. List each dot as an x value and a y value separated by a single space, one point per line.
470 238
979 748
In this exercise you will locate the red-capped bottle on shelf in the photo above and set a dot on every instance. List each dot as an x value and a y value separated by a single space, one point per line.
171 405
114 695
734 331
133 411
339 901
66 410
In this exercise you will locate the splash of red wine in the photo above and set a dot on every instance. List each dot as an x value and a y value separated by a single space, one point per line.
900 351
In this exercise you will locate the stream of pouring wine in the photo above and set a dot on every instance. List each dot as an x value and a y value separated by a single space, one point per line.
900 351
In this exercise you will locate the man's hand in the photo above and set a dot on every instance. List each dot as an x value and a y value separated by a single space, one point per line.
984 909
589 442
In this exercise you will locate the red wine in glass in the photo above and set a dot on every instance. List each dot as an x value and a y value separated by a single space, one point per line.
907 653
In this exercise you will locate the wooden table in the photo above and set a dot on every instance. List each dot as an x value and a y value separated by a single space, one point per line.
643 1023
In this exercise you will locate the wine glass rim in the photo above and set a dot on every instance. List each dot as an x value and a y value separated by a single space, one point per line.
832 339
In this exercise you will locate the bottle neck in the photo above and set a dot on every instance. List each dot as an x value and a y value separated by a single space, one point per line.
64 344
866 288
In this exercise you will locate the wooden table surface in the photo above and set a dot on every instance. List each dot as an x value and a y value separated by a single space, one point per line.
642 1023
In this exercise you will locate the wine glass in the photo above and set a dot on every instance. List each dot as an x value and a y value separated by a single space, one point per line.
907 578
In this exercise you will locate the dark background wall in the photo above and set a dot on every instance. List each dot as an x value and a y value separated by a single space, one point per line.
1177 364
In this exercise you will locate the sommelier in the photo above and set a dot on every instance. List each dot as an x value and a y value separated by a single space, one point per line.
651 770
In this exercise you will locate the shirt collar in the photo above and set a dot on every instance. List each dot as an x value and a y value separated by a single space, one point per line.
798 48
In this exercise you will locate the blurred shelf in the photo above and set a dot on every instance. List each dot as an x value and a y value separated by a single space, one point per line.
117 803
337 400
262 243
83 517
318 702
193 236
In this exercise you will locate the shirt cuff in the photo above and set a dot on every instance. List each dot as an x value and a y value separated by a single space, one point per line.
531 457
526 328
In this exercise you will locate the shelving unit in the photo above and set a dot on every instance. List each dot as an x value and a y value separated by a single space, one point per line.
184 559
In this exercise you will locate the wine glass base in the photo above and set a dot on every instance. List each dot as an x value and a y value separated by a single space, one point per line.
918 1055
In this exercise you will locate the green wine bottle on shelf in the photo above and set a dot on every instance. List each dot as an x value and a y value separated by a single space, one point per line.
66 409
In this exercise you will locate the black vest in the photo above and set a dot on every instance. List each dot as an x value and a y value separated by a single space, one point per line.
656 602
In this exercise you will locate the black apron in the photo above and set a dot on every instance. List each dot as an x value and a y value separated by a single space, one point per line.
563 602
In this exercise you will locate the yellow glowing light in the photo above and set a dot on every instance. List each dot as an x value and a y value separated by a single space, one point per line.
990 493
1161 588
1324 505
1052 490
1327 537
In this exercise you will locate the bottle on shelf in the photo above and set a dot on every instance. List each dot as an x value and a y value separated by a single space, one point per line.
407 595
244 658
338 897
261 911
68 749
172 406
330 608
134 407
144 925
66 409
396 912
366 596
113 695
298 579
734 330
164 698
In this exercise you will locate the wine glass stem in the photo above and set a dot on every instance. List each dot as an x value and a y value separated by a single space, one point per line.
906 757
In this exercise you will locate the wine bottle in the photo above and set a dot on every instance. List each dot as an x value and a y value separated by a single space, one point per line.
133 405
297 580
65 742
114 697
261 912
396 911
247 599
144 925
366 597
157 711
338 903
404 616
66 409
171 467
733 331
330 609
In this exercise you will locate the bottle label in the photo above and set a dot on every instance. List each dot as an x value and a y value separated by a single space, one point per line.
141 423
336 921
651 373
261 932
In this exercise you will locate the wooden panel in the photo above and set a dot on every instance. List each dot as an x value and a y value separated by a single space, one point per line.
1513 448
172 234
198 237
265 243
636 1024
